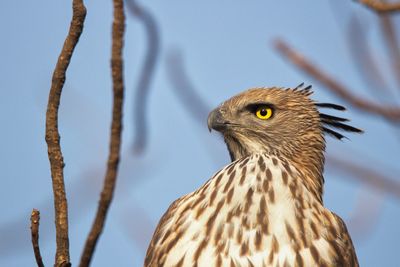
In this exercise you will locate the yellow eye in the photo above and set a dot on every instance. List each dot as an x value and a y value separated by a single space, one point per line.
264 112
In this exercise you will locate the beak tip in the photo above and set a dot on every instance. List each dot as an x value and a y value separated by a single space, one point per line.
215 121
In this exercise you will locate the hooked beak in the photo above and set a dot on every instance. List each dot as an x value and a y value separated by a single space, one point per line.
216 121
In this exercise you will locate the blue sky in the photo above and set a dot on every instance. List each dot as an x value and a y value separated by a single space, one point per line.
227 48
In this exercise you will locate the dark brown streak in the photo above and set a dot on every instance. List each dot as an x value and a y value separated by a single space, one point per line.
249 199
391 113
284 177
35 218
106 196
242 165
261 164
199 250
243 175
146 74
211 220
315 254
230 195
299 260
229 182
62 257
258 241
269 175
244 249
271 195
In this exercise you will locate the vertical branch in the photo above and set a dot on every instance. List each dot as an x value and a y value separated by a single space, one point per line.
184 89
146 73
106 196
35 218
367 66
53 137
392 45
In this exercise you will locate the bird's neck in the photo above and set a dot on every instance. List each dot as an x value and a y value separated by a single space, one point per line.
310 162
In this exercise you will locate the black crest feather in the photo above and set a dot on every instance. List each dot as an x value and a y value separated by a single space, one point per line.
330 105
303 90
334 122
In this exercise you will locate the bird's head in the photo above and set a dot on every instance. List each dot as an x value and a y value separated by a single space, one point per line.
277 121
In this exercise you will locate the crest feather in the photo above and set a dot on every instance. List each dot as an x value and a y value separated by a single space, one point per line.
337 123
307 91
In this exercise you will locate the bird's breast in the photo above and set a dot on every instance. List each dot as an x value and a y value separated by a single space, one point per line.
254 212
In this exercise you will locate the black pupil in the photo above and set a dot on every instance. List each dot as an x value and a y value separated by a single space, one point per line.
263 112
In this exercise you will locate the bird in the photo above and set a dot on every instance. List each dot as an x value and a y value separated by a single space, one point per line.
266 207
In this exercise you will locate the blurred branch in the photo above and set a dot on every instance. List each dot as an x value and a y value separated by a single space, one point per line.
146 73
134 218
106 196
392 45
53 137
390 113
363 57
368 176
35 218
184 89
381 7
365 214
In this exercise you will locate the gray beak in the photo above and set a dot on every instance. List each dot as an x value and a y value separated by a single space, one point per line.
216 121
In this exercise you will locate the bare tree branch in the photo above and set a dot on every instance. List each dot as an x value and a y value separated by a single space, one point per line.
53 137
367 66
390 113
364 217
392 45
184 89
367 176
381 7
35 218
146 74
118 29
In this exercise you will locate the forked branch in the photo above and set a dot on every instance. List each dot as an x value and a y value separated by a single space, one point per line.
53 137
118 29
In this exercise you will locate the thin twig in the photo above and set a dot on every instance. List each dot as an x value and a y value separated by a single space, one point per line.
367 176
52 135
381 7
35 218
146 74
390 113
118 29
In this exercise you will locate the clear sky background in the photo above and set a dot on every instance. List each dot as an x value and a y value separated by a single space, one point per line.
227 48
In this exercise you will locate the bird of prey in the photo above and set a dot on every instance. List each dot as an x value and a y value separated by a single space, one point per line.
265 208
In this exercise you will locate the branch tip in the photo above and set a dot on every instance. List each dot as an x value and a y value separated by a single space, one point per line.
35 219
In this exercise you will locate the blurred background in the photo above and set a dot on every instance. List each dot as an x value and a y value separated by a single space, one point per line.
182 58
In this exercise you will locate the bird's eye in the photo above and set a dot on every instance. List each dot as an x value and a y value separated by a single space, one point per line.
264 112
